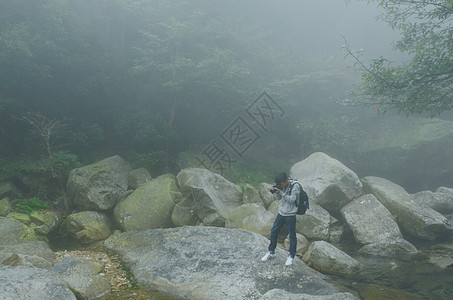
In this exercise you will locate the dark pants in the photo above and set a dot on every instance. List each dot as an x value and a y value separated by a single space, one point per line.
291 225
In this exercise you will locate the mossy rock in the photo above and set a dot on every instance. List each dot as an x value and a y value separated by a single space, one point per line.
23 218
5 207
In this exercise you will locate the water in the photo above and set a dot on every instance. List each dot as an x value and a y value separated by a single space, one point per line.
425 276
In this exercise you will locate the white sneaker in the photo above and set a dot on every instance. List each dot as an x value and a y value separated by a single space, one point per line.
268 256
289 261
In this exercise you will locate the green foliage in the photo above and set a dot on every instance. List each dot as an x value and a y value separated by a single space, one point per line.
328 133
60 164
154 162
27 206
424 83
144 131
251 175
44 177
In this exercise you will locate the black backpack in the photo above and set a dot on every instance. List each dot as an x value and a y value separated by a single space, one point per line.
301 203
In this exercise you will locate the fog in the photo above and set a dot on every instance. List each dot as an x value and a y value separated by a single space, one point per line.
319 26
136 78
245 88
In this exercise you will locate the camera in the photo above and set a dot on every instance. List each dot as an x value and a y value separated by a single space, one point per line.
274 188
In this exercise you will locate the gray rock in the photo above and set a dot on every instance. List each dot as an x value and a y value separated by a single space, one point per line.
327 181
302 244
370 221
99 186
315 224
251 195
280 294
183 214
212 195
88 226
46 221
443 261
419 221
251 217
82 277
32 283
32 253
327 258
441 200
137 177
266 196
149 206
12 231
395 248
212 263
445 190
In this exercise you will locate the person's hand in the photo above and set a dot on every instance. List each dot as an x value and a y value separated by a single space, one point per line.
278 191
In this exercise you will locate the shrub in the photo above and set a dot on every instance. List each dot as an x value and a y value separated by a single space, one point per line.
27 206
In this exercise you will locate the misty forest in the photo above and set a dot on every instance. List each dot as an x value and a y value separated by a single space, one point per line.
229 93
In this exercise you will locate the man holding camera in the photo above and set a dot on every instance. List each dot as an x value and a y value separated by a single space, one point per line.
288 193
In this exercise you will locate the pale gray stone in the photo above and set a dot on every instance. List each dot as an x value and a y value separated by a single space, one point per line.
327 258
212 263
419 221
32 283
327 181
99 186
212 195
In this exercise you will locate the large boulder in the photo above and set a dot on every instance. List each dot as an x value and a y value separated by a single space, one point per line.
251 195
302 244
184 215
412 152
327 258
14 232
99 186
32 283
373 226
89 226
396 248
33 254
82 277
419 221
252 217
370 221
265 194
199 262
149 206
212 196
441 200
46 221
315 223
327 181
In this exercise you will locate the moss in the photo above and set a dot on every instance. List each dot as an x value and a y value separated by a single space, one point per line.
27 206
23 218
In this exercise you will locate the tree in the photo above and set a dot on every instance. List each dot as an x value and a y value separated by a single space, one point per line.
424 83
56 166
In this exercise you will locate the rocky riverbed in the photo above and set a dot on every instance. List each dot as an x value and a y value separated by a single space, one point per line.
122 282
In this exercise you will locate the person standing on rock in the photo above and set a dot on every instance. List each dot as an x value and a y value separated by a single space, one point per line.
287 192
